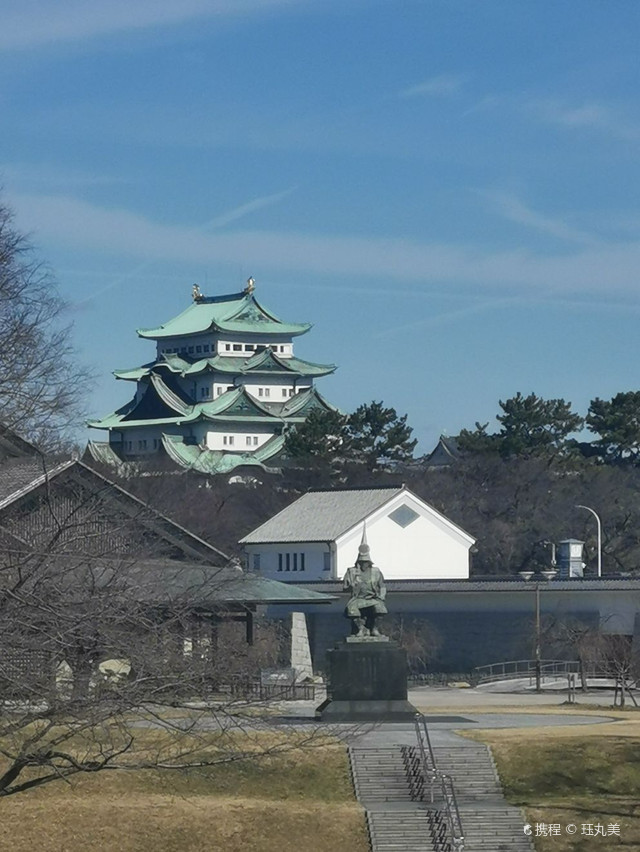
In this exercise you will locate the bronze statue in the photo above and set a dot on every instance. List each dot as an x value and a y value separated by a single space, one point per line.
368 593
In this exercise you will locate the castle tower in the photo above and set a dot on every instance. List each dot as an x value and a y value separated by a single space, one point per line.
222 389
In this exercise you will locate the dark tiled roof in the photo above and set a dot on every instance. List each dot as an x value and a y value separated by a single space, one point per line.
505 584
19 475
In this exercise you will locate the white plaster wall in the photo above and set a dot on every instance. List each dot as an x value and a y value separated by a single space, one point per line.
314 561
215 440
428 548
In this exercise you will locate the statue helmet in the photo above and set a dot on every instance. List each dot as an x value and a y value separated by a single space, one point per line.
364 551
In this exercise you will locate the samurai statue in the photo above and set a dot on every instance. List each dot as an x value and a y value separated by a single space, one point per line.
366 584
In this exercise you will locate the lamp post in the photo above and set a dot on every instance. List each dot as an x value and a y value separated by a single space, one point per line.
547 574
599 528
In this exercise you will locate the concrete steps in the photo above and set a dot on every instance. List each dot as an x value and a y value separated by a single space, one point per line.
392 832
399 823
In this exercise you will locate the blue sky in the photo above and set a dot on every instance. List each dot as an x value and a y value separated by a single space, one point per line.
447 190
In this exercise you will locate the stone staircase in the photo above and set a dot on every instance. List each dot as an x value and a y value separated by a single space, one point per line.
398 822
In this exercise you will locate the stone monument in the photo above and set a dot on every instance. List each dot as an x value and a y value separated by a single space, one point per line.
367 672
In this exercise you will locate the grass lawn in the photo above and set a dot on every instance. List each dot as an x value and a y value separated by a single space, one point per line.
574 776
278 804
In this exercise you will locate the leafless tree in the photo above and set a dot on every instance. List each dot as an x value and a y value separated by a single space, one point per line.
115 652
420 640
41 384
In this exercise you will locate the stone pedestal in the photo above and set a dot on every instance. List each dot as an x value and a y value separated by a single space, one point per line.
367 683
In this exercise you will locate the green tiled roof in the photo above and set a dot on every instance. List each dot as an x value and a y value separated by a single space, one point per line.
262 363
235 313
215 461
234 406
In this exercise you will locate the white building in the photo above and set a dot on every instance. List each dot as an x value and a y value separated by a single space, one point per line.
317 537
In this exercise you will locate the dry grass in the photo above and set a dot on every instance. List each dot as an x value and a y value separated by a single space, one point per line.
272 805
581 778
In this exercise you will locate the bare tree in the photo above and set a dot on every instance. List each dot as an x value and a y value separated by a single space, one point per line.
41 384
119 641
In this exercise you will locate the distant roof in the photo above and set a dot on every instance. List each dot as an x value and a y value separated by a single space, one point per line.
234 313
322 515
446 451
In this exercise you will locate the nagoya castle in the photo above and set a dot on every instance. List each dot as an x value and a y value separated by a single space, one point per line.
222 391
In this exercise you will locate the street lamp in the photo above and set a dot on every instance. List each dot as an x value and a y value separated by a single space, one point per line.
599 525
547 574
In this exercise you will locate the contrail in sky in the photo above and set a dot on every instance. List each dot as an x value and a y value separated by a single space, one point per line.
217 222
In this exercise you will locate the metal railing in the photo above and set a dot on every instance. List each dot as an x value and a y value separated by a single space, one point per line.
515 669
448 835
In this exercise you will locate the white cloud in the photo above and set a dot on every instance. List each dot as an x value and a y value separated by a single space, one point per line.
33 23
601 269
514 210
442 85
584 116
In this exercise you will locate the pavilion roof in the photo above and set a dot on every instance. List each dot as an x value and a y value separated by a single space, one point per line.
161 406
203 460
235 313
266 362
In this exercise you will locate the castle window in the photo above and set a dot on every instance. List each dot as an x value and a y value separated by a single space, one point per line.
256 561
228 440
142 444
205 348
198 348
227 347
249 347
248 440
205 392
326 561
237 347
191 350
280 559
302 561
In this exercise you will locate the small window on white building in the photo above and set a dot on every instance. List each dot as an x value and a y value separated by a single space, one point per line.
403 516
255 441
248 440
218 391
249 347
237 347
227 347
228 440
